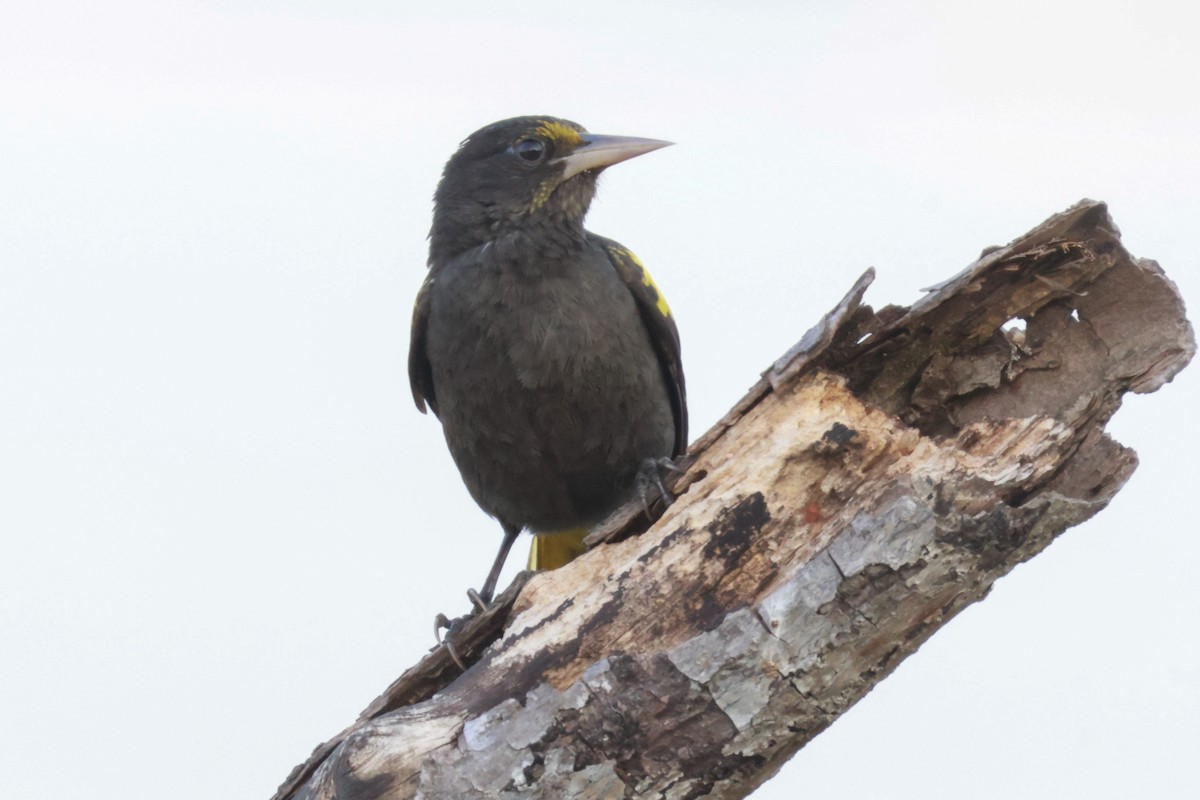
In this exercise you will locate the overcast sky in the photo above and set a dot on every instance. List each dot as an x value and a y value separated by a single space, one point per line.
225 528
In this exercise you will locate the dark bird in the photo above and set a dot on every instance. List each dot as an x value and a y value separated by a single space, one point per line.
547 352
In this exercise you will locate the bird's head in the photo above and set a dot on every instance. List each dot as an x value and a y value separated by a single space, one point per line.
521 173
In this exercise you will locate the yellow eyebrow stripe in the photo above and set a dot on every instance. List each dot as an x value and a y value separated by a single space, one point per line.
560 132
647 281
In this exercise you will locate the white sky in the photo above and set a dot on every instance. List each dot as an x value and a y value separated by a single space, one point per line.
226 528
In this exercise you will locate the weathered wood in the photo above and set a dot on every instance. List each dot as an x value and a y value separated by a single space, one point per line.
880 477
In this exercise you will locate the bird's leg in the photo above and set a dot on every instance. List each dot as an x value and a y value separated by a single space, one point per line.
481 600
650 473
484 598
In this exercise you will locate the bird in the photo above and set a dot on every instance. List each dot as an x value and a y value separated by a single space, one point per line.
547 352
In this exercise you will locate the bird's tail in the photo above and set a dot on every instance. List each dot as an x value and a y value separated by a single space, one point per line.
552 550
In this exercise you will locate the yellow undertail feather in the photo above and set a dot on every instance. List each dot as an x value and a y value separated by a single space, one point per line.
552 550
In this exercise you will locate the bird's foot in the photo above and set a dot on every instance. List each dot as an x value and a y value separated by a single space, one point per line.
650 474
454 626
451 626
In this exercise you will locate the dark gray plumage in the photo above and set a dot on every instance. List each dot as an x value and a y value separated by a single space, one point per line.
546 351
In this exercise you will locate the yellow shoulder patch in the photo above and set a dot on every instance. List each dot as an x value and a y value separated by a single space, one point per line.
647 281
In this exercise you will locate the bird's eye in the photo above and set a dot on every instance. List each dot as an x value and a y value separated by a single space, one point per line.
530 151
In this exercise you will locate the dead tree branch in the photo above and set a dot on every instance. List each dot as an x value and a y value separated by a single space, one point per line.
880 477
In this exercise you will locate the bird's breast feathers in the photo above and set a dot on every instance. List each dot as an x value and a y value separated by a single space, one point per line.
557 322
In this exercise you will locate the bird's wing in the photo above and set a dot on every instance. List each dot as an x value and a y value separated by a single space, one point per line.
420 373
660 325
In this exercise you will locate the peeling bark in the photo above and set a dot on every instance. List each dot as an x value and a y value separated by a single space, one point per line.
878 479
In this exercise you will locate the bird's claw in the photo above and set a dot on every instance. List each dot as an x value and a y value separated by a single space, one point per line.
481 605
651 474
439 622
453 626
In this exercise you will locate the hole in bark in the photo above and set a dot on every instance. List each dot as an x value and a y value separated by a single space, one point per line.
1075 314
1015 324
534 771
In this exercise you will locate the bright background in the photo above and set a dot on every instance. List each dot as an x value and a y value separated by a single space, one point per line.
224 526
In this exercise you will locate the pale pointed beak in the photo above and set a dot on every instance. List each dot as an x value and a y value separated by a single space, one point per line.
598 151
